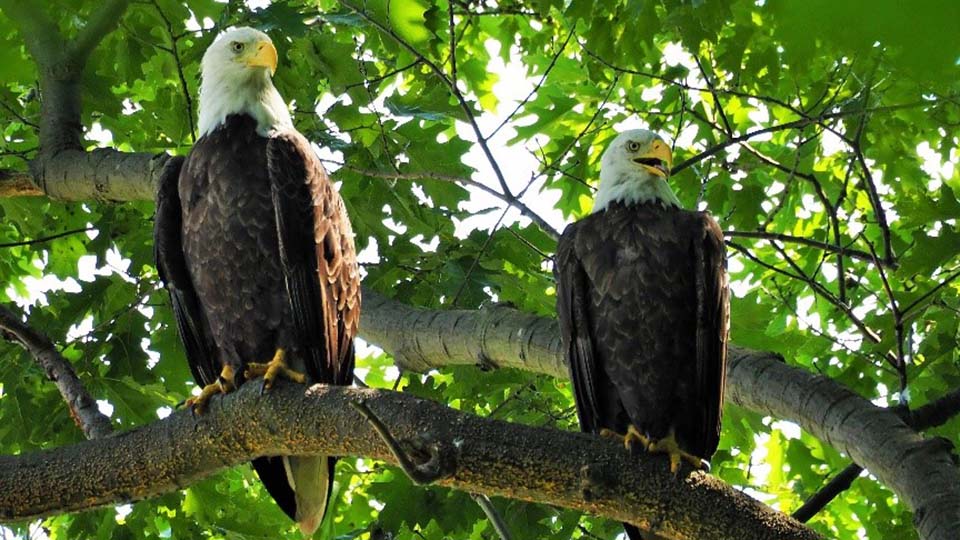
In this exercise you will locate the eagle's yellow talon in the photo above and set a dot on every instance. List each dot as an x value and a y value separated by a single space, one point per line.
632 437
277 366
668 445
223 385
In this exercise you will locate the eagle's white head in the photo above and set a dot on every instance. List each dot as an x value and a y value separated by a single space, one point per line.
634 169
235 74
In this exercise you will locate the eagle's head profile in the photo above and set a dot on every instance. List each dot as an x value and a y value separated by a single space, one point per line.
235 73
634 169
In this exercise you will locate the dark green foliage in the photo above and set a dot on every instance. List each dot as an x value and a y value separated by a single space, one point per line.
826 82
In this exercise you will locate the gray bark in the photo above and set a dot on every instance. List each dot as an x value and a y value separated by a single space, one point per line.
920 471
477 455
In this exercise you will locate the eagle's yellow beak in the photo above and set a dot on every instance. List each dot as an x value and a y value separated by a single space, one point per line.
265 55
657 159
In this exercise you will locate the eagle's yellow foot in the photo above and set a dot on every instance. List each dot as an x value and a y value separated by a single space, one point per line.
272 369
223 385
632 437
668 445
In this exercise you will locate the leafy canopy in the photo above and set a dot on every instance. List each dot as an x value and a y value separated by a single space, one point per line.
831 122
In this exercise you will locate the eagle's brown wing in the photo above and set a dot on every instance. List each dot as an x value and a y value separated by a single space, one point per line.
713 315
319 264
168 254
318 258
572 301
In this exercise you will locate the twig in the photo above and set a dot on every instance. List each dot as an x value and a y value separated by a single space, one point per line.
543 78
764 235
495 519
506 195
46 238
18 115
901 364
716 98
421 474
816 287
387 75
83 408
183 80
931 292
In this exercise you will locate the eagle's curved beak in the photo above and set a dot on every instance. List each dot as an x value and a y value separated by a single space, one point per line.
265 56
657 159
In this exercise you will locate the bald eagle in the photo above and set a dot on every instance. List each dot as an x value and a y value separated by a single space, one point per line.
256 250
642 300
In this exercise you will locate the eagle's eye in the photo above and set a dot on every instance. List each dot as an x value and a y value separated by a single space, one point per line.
236 46
633 146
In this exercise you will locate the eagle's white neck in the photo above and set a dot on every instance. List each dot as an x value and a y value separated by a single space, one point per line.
625 183
223 93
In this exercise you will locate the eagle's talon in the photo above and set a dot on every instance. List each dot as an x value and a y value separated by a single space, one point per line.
223 385
629 439
668 445
276 367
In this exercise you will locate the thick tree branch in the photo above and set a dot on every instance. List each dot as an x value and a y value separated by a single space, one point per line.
37 30
103 174
421 339
930 415
566 469
83 408
18 184
103 21
920 471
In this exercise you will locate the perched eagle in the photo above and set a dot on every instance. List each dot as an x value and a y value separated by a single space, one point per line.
256 250
643 306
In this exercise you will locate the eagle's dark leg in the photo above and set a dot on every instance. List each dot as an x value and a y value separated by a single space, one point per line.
668 445
275 367
223 385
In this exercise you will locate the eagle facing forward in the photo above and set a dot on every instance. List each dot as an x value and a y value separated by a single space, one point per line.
256 250
643 306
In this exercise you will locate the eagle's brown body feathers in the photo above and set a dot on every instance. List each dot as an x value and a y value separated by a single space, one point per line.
257 252
642 301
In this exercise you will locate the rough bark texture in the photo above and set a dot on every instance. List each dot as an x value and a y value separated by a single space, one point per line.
479 455
919 470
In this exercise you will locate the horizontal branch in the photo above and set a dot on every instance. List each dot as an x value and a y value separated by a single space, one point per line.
18 184
104 174
920 471
571 470
421 339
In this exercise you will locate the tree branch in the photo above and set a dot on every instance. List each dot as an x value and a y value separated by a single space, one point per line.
18 184
422 339
928 416
40 34
46 239
492 457
831 248
83 408
102 22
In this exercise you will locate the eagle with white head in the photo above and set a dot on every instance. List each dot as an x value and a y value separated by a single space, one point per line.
256 250
642 299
